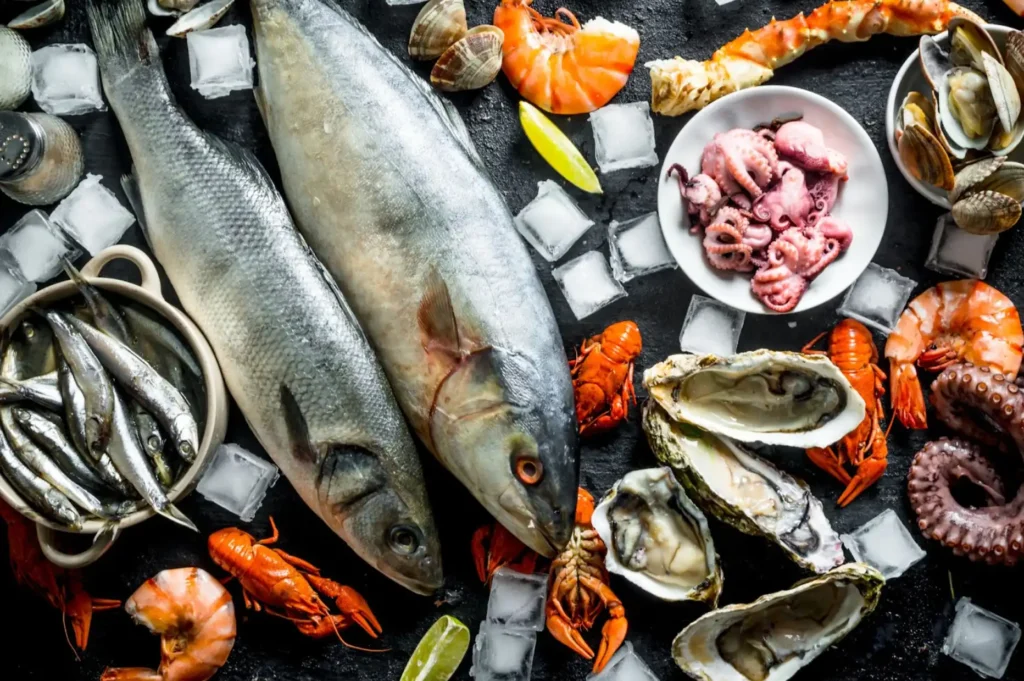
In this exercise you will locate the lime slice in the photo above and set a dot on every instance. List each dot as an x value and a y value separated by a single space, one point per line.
439 652
557 149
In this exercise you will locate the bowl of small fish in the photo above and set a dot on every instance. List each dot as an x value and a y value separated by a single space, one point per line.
111 406
773 200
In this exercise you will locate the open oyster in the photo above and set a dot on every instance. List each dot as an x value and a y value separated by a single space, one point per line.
743 490
774 637
658 539
779 398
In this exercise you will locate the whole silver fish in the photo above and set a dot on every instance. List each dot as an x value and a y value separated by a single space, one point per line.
105 316
41 390
390 194
291 352
145 385
48 435
36 492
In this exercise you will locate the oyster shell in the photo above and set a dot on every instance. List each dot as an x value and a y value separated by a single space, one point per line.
658 539
471 63
743 490
438 26
774 637
779 398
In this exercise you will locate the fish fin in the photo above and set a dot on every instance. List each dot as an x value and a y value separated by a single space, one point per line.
298 428
436 317
245 159
172 513
121 39
348 475
130 185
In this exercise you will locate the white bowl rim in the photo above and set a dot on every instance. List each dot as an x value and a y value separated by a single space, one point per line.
890 119
755 306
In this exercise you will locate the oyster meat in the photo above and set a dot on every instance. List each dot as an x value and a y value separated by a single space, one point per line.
774 637
658 539
743 490
779 398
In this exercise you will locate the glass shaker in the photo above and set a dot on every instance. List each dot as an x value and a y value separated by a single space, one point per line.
40 157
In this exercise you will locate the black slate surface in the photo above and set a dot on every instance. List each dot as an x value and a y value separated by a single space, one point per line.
901 642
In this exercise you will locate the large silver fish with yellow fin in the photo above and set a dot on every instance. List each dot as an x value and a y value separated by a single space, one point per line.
390 194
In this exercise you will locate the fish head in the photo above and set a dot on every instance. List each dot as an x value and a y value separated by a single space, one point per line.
509 434
392 531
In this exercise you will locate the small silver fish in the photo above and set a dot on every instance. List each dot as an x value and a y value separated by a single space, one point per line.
50 437
159 338
105 316
41 390
35 491
146 386
152 441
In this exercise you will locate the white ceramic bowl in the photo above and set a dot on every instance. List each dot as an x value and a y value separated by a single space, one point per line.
863 200
909 79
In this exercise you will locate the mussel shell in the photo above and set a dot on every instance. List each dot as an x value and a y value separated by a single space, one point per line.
925 157
951 126
974 174
970 53
471 63
986 212
438 26
1004 92
43 14
1014 58
200 18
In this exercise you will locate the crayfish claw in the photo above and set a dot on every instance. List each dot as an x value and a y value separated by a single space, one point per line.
562 630
350 602
612 635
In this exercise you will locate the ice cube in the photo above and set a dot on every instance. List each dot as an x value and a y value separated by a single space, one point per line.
35 246
552 222
588 284
66 80
13 288
878 297
637 248
219 61
517 600
960 253
885 544
238 481
981 639
501 654
625 665
711 327
624 137
93 216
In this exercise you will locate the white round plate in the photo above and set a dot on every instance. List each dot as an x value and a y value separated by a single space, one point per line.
909 79
863 199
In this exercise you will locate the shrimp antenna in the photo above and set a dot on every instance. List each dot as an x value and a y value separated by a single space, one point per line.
354 647
67 636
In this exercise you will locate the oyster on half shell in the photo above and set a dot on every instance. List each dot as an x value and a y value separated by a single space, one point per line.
743 490
658 539
778 398
774 637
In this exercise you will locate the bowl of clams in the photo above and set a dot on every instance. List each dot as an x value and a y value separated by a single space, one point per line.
954 123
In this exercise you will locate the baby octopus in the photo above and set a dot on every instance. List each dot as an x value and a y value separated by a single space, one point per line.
794 259
805 145
740 159
993 532
788 203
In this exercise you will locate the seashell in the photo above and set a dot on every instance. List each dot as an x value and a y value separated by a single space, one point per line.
954 150
925 157
917 109
43 14
973 175
1002 142
966 110
438 26
1004 92
1014 58
158 10
934 60
986 212
1007 180
471 63
200 18
968 41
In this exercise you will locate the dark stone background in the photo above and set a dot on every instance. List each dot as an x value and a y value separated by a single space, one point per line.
900 642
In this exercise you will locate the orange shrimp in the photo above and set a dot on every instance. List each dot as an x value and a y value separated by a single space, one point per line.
564 68
195 617
965 320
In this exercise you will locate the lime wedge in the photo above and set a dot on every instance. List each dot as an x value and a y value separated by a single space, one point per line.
439 652
557 149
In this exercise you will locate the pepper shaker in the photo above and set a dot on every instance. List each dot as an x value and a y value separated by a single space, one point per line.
15 69
40 157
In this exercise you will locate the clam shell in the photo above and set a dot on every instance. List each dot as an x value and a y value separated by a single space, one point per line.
954 150
934 60
978 42
925 157
471 63
1004 92
200 18
1014 58
1007 180
916 109
974 174
438 26
158 10
951 127
986 212
43 14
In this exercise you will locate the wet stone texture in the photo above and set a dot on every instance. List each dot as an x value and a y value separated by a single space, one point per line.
900 642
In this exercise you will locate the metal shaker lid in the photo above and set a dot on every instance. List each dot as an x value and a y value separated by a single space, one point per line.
21 142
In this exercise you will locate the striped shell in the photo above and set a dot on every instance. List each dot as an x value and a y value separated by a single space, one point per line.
438 26
471 63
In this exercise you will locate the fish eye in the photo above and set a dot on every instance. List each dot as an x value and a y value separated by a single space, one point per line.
403 539
528 469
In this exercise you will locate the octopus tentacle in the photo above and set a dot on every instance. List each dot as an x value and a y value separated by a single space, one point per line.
788 203
805 145
723 241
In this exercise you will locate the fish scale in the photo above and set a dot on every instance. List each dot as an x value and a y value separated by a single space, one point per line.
292 354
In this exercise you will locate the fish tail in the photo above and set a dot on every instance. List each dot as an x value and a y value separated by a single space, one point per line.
122 41
171 512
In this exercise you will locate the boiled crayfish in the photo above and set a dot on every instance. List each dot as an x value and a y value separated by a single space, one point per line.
579 591
853 350
287 586
494 547
61 588
602 377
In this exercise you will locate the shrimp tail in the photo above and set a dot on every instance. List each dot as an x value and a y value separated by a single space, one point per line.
130 674
907 398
